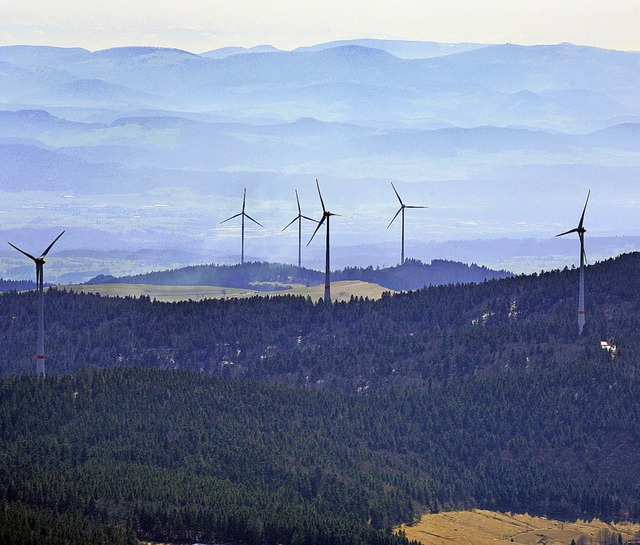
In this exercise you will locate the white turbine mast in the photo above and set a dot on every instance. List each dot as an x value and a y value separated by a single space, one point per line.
583 258
39 261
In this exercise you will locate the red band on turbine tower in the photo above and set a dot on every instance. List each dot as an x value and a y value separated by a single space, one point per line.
40 357
581 312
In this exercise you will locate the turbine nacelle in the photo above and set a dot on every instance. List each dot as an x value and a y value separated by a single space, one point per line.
580 229
402 205
243 213
300 216
39 261
325 214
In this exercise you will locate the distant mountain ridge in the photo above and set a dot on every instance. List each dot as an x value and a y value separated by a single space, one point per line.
143 136
175 143
403 49
412 275
156 74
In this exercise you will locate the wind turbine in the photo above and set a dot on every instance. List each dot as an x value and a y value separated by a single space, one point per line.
299 218
401 209
243 214
327 267
583 257
39 261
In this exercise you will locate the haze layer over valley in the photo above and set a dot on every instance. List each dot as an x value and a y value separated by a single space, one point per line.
140 152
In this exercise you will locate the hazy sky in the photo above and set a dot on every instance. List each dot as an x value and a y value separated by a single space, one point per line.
201 25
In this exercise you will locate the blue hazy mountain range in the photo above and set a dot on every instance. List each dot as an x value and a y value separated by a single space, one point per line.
403 49
495 85
141 147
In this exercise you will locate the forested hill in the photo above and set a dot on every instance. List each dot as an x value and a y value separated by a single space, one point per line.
17 285
276 420
408 339
414 274
172 456
265 276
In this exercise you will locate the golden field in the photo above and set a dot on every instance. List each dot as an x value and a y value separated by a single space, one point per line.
340 291
479 527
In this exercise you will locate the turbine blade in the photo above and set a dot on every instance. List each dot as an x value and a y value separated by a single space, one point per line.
408 206
584 210
238 214
321 201
310 219
292 221
254 221
22 251
298 201
51 245
396 192
244 199
314 233
394 217
575 230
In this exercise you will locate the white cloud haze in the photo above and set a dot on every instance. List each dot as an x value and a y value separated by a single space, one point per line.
198 25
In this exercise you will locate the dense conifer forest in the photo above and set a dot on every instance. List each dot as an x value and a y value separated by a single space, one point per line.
409 339
277 420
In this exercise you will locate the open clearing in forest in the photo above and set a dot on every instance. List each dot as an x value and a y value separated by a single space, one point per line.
340 291
478 527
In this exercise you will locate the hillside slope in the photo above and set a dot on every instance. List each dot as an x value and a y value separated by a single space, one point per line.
261 276
408 339
178 456
445 398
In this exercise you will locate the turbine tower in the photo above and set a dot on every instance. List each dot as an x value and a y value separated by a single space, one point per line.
39 261
327 267
583 257
401 209
243 214
299 218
